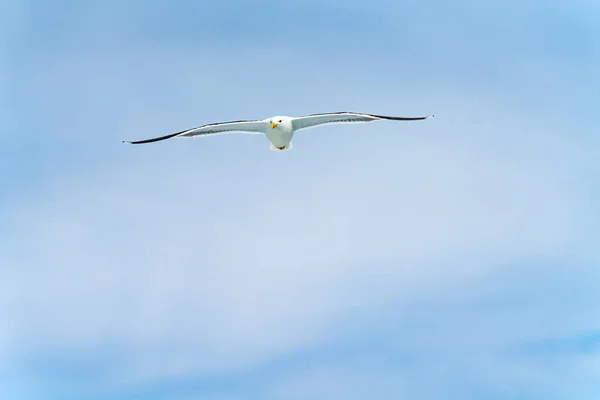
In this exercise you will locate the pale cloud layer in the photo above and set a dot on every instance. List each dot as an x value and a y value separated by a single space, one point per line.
367 261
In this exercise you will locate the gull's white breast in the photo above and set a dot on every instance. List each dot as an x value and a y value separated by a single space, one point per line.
280 136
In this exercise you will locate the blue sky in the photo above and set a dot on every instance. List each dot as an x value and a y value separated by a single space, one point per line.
455 258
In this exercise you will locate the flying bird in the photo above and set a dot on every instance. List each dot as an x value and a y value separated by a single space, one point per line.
279 130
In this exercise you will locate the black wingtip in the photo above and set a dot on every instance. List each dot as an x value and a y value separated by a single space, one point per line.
154 139
391 118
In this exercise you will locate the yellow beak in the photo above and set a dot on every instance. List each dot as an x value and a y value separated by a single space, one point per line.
274 125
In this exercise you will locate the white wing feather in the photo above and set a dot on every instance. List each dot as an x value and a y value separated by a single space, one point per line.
248 127
313 120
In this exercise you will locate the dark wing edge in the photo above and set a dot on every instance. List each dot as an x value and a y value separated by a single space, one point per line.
171 135
347 116
401 118
374 116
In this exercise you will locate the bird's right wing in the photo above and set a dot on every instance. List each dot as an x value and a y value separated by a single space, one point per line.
251 127
344 117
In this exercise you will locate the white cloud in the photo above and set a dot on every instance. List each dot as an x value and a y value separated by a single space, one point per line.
436 379
215 254
228 270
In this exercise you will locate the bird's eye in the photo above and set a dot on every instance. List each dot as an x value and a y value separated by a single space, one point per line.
279 121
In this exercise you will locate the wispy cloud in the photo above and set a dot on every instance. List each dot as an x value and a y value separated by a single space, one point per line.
369 260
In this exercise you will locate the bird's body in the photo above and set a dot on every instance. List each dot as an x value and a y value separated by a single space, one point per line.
280 133
279 130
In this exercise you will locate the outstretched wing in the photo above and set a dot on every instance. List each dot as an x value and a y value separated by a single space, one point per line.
312 120
251 127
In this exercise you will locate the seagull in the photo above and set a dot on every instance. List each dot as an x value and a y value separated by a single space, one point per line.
279 130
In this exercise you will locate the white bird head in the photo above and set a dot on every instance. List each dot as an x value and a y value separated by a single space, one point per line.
281 122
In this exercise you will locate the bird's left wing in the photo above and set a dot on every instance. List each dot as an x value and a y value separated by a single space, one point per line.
312 120
252 127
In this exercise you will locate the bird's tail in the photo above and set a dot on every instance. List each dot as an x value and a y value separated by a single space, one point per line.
284 148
